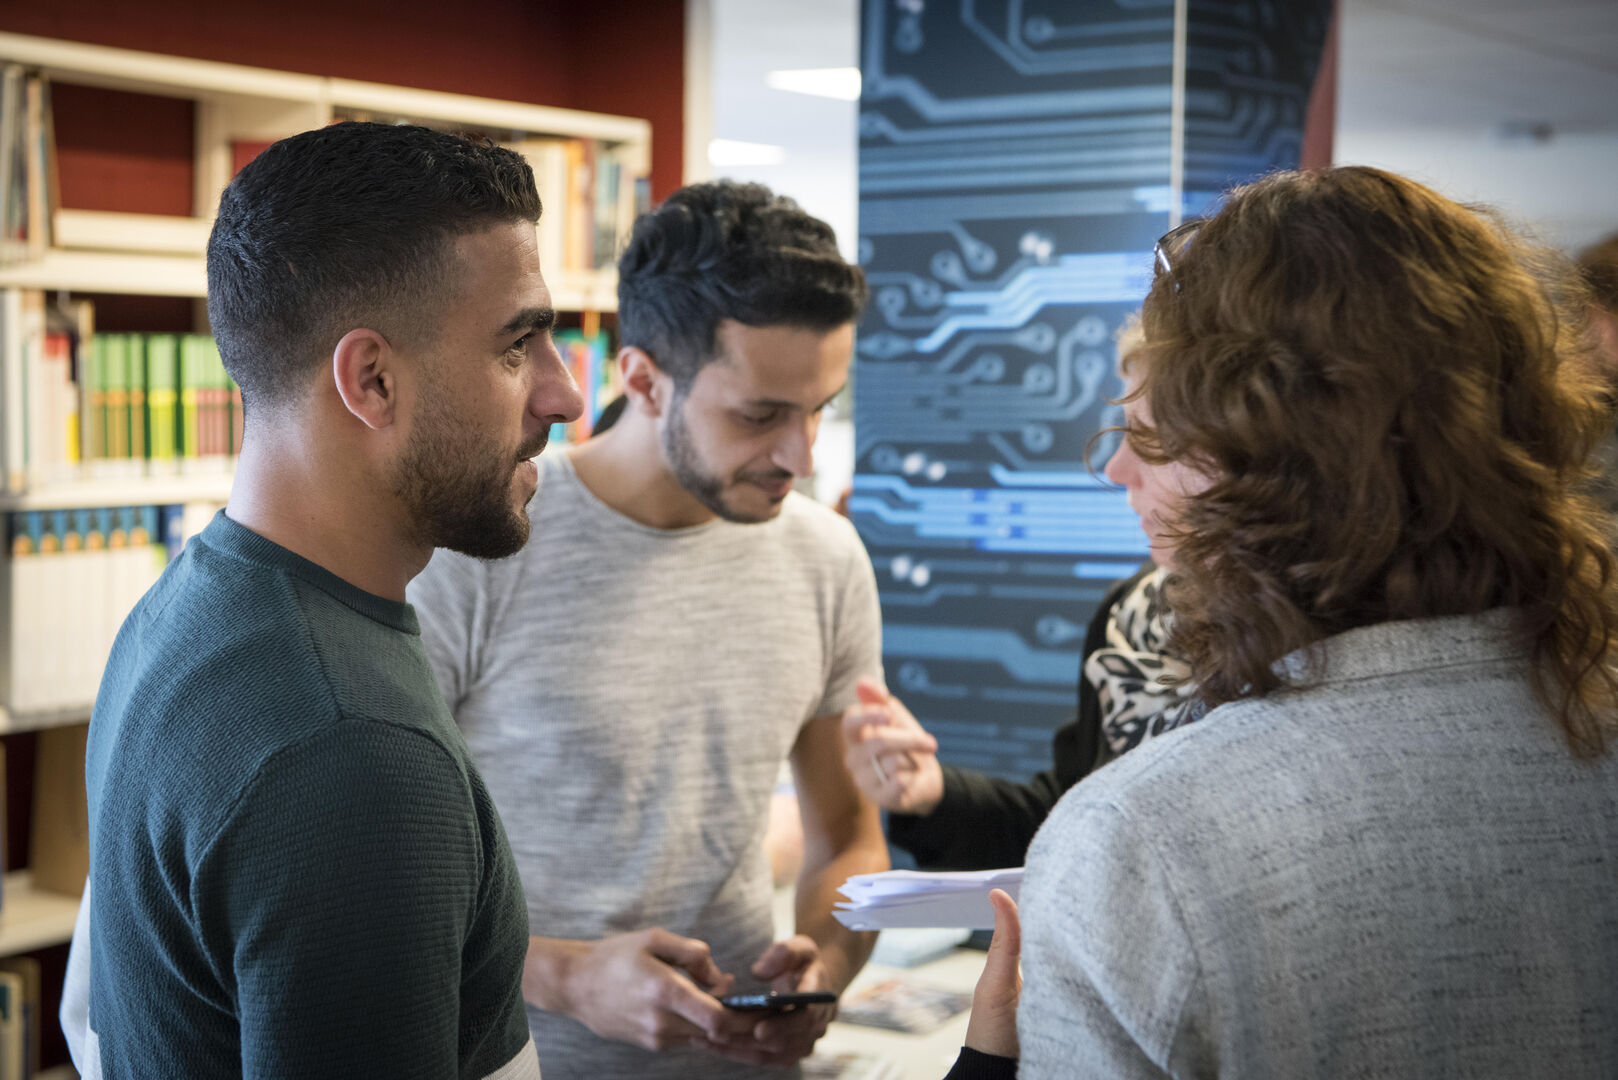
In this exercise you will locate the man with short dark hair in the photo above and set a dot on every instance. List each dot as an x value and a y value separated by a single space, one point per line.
682 623
296 869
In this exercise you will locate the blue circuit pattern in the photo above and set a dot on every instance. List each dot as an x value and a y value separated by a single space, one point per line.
1014 173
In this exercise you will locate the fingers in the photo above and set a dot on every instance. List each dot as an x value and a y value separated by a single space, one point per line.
793 1035
688 954
897 742
871 691
693 1013
792 955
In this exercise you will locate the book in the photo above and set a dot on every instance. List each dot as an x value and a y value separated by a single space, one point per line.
13 404
12 1032
68 583
28 968
162 401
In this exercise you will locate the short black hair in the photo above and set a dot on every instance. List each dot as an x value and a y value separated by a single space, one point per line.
346 226
725 250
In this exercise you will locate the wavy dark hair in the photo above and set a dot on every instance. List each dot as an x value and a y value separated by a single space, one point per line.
726 250
1390 392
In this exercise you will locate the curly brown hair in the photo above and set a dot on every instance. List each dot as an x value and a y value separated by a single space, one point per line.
1389 391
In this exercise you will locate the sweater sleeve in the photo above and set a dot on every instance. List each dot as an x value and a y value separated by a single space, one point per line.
974 1065
1112 985
335 902
982 822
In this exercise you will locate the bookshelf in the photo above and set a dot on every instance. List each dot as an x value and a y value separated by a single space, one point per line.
152 255
94 256
33 918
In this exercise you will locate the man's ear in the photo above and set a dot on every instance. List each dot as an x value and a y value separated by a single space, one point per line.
648 387
365 369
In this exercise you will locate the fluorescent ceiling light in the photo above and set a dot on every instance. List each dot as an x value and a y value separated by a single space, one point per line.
841 83
723 152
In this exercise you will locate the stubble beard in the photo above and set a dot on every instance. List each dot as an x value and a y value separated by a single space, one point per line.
456 489
689 471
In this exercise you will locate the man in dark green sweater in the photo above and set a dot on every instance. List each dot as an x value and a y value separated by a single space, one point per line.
296 870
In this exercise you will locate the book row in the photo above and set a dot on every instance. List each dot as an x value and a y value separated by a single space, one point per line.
69 580
27 164
76 405
593 365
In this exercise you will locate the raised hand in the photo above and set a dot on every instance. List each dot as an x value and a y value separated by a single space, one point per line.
892 759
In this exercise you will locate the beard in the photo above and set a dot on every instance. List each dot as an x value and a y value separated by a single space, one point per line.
693 475
456 489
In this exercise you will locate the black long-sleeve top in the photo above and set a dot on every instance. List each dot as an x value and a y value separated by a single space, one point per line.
983 822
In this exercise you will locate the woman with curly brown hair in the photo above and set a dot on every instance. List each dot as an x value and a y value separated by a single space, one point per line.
1357 432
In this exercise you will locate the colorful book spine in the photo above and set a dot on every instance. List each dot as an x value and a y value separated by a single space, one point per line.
162 402
68 582
139 435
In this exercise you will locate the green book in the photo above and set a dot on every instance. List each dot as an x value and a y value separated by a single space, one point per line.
116 374
139 437
92 384
162 397
191 358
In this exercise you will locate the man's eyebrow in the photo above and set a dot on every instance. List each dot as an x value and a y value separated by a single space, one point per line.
776 403
529 319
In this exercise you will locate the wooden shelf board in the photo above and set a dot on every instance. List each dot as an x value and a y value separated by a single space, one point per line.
32 918
111 272
142 491
11 723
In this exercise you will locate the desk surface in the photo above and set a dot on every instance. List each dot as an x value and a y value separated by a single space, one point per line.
915 1057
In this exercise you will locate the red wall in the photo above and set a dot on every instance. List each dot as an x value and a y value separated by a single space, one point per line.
545 52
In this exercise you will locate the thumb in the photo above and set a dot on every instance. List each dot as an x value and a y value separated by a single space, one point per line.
992 1028
871 691
1000 966
784 956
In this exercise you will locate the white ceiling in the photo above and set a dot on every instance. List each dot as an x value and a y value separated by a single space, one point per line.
1430 88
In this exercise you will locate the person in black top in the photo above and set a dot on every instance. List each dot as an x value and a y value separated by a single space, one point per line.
977 821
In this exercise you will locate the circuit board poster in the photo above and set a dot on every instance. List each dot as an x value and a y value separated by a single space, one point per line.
1018 159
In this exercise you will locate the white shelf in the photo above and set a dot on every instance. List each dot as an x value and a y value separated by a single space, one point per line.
171 274
583 290
142 491
111 272
32 918
178 76
146 234
11 723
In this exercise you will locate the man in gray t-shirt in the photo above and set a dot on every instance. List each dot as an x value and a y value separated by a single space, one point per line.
681 624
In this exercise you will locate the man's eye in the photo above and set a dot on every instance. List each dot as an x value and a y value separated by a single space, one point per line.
520 346
759 421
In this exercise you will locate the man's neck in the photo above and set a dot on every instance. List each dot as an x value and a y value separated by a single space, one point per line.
331 516
624 468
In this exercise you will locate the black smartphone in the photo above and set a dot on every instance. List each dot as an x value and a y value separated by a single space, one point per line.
774 1002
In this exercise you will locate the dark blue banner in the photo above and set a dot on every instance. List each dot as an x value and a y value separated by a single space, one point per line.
1017 160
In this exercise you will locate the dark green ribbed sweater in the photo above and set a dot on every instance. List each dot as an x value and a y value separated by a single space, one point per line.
296 869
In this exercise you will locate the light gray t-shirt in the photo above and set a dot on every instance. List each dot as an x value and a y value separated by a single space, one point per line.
1401 870
629 694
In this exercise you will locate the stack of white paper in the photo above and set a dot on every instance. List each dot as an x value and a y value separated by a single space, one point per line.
913 898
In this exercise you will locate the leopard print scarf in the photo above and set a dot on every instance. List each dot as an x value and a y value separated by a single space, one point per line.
1128 671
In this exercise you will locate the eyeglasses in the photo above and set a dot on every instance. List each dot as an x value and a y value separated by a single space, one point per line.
1174 242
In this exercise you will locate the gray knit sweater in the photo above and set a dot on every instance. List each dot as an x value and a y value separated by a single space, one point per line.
1400 870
